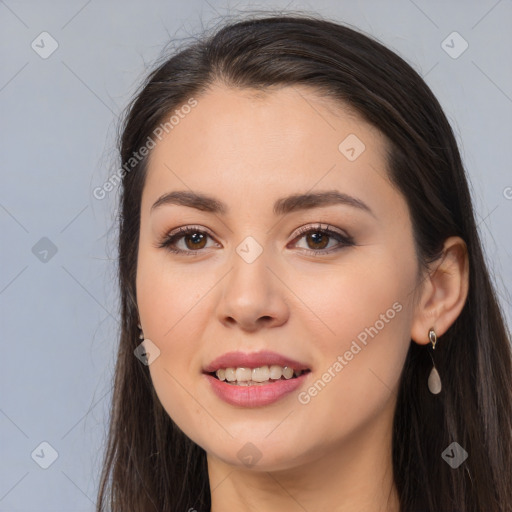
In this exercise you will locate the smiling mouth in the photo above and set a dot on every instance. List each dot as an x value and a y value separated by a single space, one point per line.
256 376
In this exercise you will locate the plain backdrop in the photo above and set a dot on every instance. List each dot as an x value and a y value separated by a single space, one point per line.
59 113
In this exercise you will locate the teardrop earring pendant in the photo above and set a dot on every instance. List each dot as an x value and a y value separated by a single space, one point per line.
434 380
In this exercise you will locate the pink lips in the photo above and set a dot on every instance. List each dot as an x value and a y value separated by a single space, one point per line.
257 395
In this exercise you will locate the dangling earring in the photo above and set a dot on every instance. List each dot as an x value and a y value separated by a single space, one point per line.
434 380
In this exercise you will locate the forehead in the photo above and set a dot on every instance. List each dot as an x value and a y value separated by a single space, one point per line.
254 141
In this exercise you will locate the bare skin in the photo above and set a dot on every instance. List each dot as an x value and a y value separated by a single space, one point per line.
296 298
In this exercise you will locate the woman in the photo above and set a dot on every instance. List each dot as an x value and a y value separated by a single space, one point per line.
307 318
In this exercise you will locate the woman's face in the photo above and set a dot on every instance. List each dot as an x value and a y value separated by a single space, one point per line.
325 281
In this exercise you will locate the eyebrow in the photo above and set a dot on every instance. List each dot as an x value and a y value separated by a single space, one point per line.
282 206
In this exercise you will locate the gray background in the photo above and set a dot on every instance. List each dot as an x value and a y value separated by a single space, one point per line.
59 311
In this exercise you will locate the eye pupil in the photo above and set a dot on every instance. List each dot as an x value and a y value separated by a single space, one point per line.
196 238
315 237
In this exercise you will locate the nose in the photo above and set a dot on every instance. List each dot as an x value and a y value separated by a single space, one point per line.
253 296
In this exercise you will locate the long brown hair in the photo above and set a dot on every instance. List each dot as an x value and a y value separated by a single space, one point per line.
150 464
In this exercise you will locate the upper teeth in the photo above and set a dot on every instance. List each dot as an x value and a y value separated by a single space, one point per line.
260 374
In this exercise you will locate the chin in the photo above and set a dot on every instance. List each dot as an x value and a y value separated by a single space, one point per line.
258 456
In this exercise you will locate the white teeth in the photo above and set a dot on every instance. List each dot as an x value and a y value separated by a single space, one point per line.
287 372
261 374
229 374
250 376
243 374
276 372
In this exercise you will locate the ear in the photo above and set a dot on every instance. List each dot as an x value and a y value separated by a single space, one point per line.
443 293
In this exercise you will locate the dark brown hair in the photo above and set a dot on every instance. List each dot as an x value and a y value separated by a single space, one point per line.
150 464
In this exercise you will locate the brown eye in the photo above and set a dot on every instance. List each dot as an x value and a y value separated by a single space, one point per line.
197 241
317 240
192 240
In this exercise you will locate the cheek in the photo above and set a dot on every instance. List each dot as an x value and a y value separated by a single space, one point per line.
171 303
365 312
174 319
346 299
168 297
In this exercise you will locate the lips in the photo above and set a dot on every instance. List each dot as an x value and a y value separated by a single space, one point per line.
256 396
253 360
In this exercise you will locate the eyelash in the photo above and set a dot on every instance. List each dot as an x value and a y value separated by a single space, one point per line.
170 240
